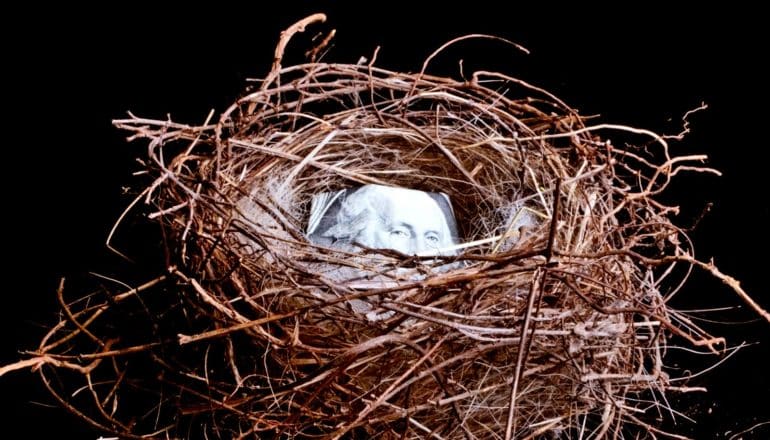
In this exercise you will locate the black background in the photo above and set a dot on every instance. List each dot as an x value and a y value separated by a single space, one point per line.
70 71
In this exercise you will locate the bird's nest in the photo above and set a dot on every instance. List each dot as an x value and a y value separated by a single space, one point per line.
551 317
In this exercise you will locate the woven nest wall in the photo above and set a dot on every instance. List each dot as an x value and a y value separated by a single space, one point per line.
550 317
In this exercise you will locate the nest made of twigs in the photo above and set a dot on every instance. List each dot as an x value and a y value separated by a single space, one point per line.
551 318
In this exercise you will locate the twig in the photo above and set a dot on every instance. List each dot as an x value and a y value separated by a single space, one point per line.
510 425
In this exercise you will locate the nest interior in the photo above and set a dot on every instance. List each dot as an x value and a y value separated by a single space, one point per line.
550 319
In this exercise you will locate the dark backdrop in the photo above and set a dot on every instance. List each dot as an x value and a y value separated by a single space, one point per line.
71 70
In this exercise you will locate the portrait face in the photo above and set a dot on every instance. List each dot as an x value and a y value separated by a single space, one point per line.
409 221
